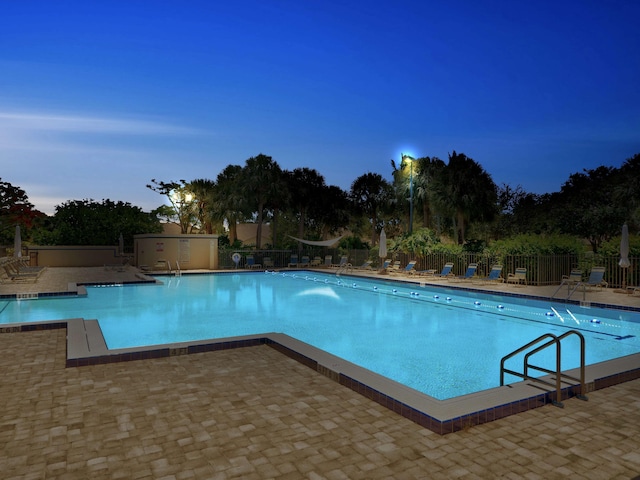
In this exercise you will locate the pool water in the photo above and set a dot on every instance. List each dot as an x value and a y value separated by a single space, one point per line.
437 340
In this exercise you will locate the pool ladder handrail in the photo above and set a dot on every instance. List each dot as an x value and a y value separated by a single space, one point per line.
570 291
553 340
178 271
344 269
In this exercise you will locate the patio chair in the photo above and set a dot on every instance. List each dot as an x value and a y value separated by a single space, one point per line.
445 273
409 268
11 276
343 262
251 262
293 262
574 277
519 277
596 278
394 267
468 275
365 266
495 275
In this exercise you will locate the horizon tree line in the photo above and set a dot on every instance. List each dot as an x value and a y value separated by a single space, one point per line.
457 199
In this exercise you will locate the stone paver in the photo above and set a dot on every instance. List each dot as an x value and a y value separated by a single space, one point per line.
253 413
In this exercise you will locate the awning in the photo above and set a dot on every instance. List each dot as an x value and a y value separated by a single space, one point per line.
319 243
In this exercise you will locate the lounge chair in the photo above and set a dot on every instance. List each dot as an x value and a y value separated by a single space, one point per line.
293 262
596 278
495 275
408 269
573 278
468 275
316 262
11 276
385 265
251 262
394 267
328 261
445 273
305 261
343 262
17 266
365 266
519 277
267 262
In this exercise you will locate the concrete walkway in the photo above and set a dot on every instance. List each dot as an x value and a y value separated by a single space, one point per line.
253 413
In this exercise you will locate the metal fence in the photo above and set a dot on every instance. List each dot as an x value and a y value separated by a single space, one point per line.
541 269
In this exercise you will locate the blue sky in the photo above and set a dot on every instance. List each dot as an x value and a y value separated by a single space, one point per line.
97 98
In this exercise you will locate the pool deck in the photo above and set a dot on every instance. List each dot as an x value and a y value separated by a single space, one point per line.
254 413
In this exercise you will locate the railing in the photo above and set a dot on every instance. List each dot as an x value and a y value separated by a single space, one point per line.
555 341
542 270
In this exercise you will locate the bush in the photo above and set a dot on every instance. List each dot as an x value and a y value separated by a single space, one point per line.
612 247
529 244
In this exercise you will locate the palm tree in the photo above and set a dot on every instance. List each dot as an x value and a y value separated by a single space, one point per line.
331 211
466 191
369 193
259 184
204 190
427 169
278 201
305 185
228 198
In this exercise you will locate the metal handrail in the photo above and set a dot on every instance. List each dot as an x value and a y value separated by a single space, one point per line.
554 340
571 292
344 269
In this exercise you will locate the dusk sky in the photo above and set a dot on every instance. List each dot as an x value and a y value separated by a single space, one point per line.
98 98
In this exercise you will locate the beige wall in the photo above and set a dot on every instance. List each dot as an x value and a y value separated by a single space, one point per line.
192 251
74 256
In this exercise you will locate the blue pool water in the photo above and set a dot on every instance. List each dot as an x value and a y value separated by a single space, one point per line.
442 342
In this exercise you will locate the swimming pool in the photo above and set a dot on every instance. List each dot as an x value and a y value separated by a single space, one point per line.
440 341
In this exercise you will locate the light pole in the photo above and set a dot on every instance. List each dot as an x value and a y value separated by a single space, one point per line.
410 159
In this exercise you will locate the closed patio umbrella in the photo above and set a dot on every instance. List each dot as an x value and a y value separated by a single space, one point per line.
624 254
383 246
17 243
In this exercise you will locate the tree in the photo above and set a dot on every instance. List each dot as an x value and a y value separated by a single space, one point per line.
203 191
260 179
331 211
586 209
465 190
183 210
87 222
305 187
228 199
15 209
369 194
626 191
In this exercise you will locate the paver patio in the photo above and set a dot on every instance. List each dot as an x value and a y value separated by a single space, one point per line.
254 413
